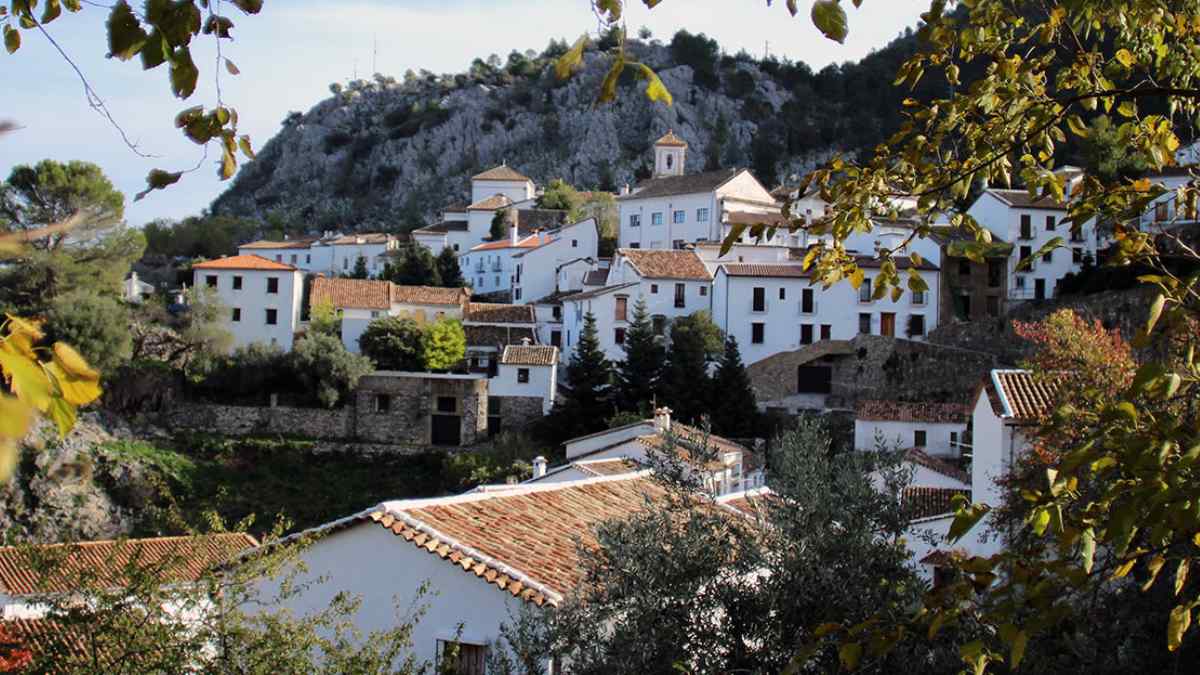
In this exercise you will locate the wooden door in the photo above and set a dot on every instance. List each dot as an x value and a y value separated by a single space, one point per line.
887 324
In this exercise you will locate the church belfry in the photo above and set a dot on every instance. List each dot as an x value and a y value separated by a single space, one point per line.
669 152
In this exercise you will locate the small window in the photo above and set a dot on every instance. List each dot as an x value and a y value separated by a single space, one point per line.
210 280
447 404
678 244
757 333
1077 255
622 309
556 338
517 294
634 244
918 297
345 263
1025 253
679 297
783 294
919 438
1048 256
272 285
703 291
953 439
1161 211
480 282
461 659
1049 223
1026 227
656 218
807 304
760 299
806 334
864 291
702 215
619 335
679 217
1019 281
916 325
237 314
864 324
826 331
964 267
574 243
523 375
455 247
374 314
383 403
272 317
237 283
278 257
294 258
307 259
653 289
635 220
556 312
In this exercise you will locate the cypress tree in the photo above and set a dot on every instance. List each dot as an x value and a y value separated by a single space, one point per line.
637 377
585 401
449 270
499 229
360 269
417 268
733 410
695 341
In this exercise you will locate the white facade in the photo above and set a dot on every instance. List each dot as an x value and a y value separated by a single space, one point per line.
669 221
264 305
558 264
940 439
374 248
489 267
526 380
135 290
517 190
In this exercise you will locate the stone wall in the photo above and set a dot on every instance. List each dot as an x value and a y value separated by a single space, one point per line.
235 420
518 412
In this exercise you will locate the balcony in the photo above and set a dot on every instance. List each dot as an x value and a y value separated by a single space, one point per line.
479 267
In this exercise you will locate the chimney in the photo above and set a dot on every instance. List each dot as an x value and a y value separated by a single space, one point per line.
525 342
512 234
625 189
662 419
539 466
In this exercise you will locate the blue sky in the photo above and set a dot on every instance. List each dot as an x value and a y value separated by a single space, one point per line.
289 54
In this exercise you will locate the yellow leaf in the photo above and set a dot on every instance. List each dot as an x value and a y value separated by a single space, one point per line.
26 378
63 414
1125 57
8 459
71 362
567 63
77 391
849 654
1123 568
1181 573
856 279
1177 625
15 417
655 89
1018 648
608 88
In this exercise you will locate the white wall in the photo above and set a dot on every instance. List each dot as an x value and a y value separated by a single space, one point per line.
518 191
659 295
315 258
648 235
937 435
345 256
490 270
254 301
586 444
538 267
542 382
916 539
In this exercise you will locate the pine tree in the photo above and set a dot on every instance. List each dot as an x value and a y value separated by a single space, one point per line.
733 410
637 377
360 269
499 225
695 342
449 270
585 401
418 268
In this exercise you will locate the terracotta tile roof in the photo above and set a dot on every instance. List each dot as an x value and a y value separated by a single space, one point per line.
351 293
523 541
671 140
493 312
682 185
749 502
496 201
900 411
498 336
364 238
585 295
46 637
286 244
109 559
429 295
529 355
244 262
595 278
1022 396
764 270
937 465
502 173
748 218
903 262
1021 199
690 439
527 242
928 502
666 264
607 467
443 227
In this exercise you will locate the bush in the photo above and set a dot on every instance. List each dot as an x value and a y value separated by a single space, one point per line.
249 375
322 365
444 344
95 325
393 343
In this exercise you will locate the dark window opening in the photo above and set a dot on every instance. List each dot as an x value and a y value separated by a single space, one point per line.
523 375
272 285
757 332
237 283
919 438
383 403
447 404
272 317
760 300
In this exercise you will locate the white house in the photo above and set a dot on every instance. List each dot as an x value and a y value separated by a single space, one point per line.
374 248
309 254
1168 211
135 290
673 283
263 297
672 208
1012 216
527 371
938 429
483 557
452 231
558 260
361 301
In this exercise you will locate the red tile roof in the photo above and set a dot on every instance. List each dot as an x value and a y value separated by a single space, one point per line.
351 293
529 355
607 467
748 218
792 271
1021 199
524 541
528 242
45 638
496 201
502 173
493 312
928 502
286 244
937 465
750 502
244 262
671 140
429 295
666 264
1022 396
187 558
901 411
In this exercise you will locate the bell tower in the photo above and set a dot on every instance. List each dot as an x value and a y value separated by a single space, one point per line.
669 153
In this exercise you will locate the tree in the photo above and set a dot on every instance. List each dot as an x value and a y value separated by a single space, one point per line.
393 343
323 366
560 195
500 224
324 318
637 376
449 271
733 411
695 343
585 401
444 344
97 326
35 197
360 269
602 207
417 268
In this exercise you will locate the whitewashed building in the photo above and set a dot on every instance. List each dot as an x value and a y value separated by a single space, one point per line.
309 254
491 327
374 248
134 290
939 429
558 260
263 297
489 267
527 371
361 301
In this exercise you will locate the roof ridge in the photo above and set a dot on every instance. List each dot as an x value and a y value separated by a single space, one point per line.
132 540
397 506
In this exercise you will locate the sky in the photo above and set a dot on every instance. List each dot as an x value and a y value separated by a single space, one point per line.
290 53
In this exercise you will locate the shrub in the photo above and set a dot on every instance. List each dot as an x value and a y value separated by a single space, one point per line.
95 325
444 344
323 365
393 343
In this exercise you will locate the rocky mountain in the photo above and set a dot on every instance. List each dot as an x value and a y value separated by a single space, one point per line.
391 153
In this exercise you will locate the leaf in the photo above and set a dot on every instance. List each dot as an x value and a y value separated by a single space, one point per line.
568 62
26 379
184 73
63 414
126 37
1177 625
1181 573
158 179
228 165
655 89
249 6
15 417
850 654
53 11
857 277
1125 57
233 70
247 149
72 363
1076 125
608 88
12 39
1018 649
75 390
829 18
965 519
1087 549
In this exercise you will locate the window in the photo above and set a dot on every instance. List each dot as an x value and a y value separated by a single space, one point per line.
556 338
345 263
702 215
660 324
574 243
1077 235
272 285
864 324
517 294
237 314
1161 211
374 314
679 300
1026 253
1019 281
653 289
918 297
497 280
964 267
210 280
556 312
1076 255
1026 227
677 244
272 317
995 273
919 438
1048 256
523 375
864 291
622 309
456 247
308 258
993 305
783 294
1049 223
619 336
634 244
383 403
806 333
760 299
703 291
679 217
294 258
519 273
826 332
480 282
279 257
953 438
237 283
807 304
447 404
757 331
916 325
460 658
656 218
635 220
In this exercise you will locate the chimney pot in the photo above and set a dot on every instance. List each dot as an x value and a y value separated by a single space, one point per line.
539 466
513 234
662 419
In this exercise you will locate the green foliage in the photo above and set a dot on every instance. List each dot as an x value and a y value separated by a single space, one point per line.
96 326
360 269
1107 153
51 192
448 270
637 376
444 344
561 195
695 343
733 411
584 403
701 53
500 225
394 343
510 456
416 267
323 365
325 319
249 375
